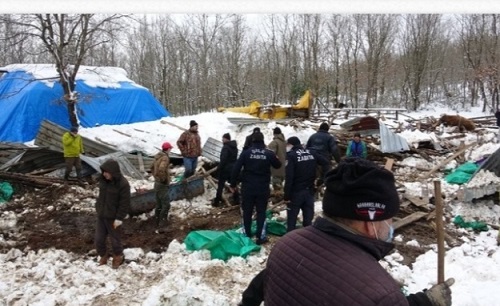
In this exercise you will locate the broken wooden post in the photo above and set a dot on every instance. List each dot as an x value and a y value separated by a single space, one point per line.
440 230
389 163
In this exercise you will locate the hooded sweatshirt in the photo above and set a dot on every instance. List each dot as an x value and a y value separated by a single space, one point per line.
114 195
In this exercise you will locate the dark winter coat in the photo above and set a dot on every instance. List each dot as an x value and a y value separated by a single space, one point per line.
497 115
190 144
325 264
248 141
325 144
256 162
228 156
113 201
301 169
278 146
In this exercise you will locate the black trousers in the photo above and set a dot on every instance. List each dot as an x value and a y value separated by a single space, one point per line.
104 228
250 201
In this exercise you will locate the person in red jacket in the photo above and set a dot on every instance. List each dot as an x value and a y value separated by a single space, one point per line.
335 261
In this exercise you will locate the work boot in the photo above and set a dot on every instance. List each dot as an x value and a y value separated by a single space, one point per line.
104 260
117 261
216 202
261 241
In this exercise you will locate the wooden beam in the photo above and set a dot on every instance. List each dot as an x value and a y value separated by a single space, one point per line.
172 124
441 164
409 219
389 163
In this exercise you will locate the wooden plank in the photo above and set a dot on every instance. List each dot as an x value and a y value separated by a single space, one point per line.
417 201
409 219
388 164
141 162
172 124
441 164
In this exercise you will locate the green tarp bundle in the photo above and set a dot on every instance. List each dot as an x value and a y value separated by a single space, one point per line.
6 191
225 244
221 244
475 225
462 174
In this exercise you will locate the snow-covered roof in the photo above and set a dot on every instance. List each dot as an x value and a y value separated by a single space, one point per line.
104 77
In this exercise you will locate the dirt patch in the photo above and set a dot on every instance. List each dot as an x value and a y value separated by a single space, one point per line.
48 219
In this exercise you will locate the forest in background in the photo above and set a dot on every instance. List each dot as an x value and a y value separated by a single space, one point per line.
197 62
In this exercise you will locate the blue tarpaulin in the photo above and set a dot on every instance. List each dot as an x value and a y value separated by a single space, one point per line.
25 102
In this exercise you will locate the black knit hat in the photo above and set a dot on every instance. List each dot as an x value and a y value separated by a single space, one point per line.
324 126
192 123
294 141
227 136
359 189
276 131
258 137
256 129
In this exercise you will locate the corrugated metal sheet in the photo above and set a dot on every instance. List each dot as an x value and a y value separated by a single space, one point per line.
492 164
9 150
211 149
391 142
364 125
50 135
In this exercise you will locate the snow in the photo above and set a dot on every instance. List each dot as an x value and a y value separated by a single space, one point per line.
104 77
178 277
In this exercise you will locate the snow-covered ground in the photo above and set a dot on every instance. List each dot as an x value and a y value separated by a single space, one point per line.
179 277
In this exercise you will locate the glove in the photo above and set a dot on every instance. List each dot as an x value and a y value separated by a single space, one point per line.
117 223
440 294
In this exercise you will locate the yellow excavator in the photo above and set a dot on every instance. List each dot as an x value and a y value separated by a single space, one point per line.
275 111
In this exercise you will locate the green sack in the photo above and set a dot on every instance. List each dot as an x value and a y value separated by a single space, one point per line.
468 167
6 192
475 225
462 174
221 244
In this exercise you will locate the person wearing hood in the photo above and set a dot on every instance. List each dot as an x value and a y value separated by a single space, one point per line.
228 156
278 146
335 261
161 173
256 162
189 144
112 206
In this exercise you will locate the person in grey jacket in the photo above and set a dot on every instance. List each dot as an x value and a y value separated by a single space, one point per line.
278 146
335 261
112 206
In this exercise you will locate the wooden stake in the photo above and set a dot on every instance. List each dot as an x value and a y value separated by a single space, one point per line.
441 164
439 230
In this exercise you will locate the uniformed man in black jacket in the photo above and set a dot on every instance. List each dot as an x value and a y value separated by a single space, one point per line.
256 162
299 181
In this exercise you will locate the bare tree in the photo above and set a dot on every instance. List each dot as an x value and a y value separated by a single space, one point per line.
67 38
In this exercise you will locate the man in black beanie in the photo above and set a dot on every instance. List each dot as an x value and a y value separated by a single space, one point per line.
249 138
228 156
189 144
256 162
336 259
325 144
